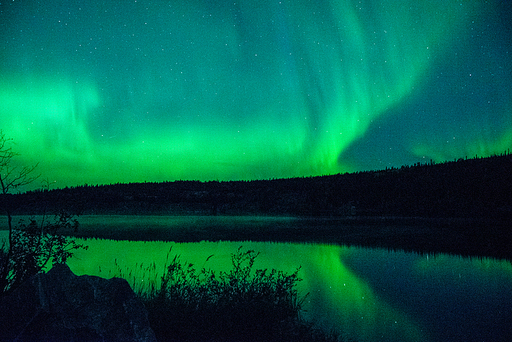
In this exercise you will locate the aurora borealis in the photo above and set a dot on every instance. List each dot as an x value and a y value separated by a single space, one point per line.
129 91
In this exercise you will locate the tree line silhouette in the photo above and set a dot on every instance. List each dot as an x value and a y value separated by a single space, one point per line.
464 188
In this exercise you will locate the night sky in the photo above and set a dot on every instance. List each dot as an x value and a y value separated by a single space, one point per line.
130 91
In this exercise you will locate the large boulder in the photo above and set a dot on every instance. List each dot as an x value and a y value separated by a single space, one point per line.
60 306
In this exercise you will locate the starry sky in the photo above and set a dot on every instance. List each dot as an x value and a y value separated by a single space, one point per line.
102 92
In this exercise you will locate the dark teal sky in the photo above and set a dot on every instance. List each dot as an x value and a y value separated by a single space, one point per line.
126 91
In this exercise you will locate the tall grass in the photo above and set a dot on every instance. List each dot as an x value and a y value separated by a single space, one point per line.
242 304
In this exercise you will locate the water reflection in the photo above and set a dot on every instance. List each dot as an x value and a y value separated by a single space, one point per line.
369 294
453 298
337 296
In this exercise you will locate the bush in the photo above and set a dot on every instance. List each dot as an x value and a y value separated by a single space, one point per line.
32 246
239 305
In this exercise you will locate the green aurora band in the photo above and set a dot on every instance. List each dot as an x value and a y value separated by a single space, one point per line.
155 91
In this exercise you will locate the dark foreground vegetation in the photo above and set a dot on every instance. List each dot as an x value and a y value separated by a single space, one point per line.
242 304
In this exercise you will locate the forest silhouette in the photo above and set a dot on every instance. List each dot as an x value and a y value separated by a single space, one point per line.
461 207
478 188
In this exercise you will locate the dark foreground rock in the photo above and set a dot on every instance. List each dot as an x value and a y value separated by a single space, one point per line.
60 306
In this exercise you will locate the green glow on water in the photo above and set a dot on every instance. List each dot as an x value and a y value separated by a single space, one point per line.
369 294
337 297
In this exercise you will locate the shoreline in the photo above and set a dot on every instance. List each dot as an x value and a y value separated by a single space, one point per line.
483 237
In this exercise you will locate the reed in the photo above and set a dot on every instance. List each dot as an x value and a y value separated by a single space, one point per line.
242 304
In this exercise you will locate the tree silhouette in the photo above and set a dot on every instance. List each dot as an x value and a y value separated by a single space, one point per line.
30 245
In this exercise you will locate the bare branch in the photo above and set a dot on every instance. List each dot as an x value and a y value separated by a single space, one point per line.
12 177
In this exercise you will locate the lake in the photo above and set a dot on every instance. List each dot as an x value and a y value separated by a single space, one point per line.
370 294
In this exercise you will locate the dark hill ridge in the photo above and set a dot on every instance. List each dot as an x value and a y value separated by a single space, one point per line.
479 188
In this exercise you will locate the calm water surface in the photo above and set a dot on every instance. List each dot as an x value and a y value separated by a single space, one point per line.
368 294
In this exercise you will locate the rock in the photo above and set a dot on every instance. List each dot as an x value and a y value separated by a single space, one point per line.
60 306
